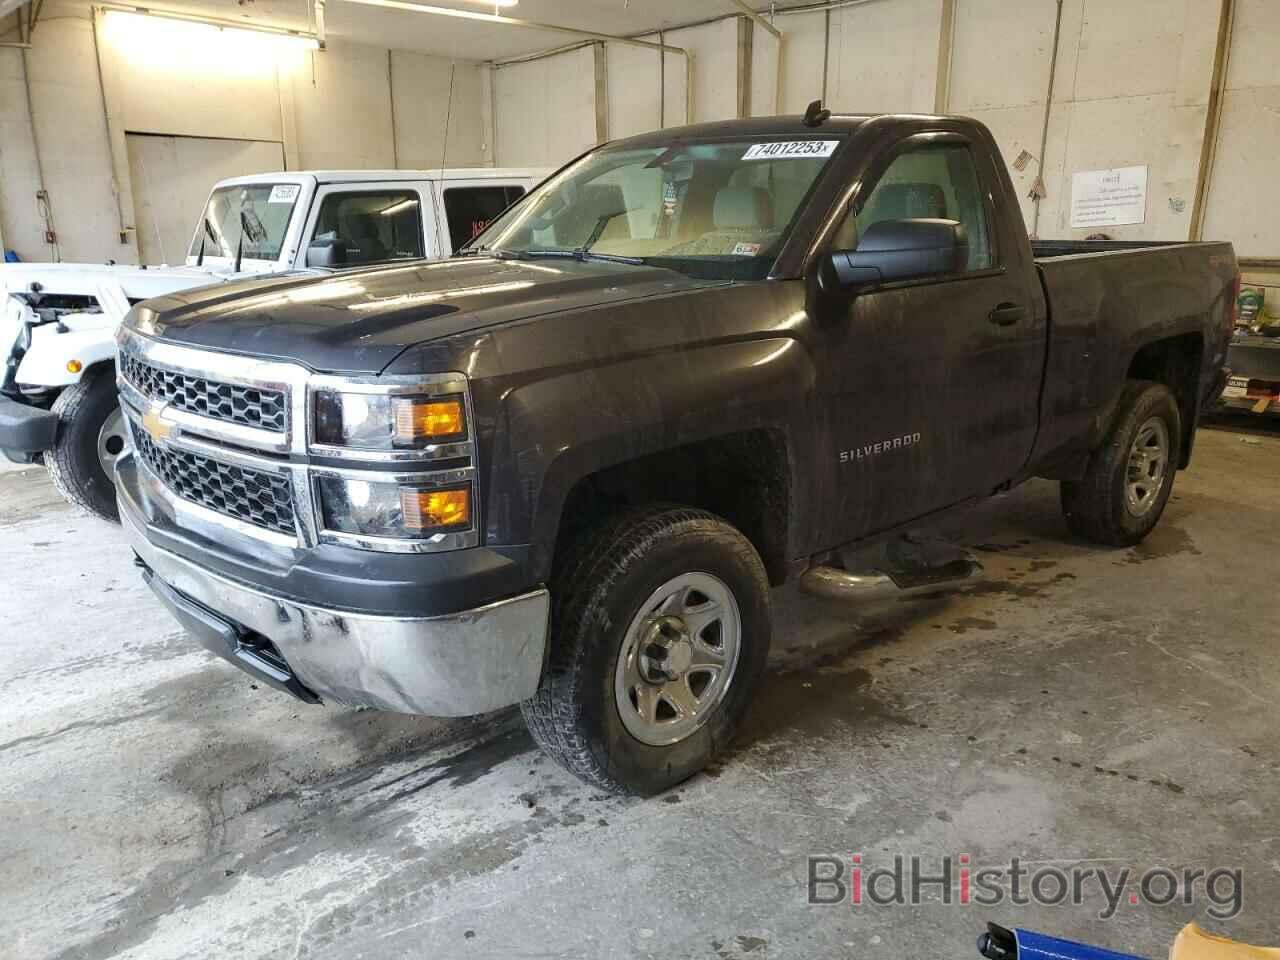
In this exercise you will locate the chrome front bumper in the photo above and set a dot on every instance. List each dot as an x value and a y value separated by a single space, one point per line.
449 666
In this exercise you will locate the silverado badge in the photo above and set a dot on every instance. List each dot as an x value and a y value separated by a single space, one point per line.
883 446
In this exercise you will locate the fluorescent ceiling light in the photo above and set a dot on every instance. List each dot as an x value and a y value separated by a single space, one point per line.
512 21
397 207
136 17
439 11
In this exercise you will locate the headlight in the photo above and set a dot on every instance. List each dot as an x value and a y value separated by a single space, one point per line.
370 421
401 510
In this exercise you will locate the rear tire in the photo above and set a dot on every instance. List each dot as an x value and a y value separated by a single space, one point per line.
606 600
1129 478
91 435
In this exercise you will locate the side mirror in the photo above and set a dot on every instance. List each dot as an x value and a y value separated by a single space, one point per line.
327 252
896 250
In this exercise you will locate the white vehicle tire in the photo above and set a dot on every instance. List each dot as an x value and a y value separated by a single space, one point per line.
91 437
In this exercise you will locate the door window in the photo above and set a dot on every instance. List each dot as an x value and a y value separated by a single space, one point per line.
937 181
469 209
379 226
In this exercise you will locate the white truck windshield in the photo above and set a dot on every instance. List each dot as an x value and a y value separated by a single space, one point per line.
256 213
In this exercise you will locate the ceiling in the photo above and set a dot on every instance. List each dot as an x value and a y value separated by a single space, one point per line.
463 39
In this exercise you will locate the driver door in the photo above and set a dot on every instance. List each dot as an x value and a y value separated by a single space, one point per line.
937 378
376 222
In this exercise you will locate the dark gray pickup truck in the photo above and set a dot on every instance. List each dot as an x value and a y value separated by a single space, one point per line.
563 469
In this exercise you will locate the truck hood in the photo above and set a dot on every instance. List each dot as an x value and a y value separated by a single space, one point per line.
359 321
85 279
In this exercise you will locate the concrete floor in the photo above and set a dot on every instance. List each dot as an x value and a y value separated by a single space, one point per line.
1082 705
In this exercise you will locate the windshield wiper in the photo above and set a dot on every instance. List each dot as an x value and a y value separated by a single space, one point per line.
584 255
601 222
208 234
483 251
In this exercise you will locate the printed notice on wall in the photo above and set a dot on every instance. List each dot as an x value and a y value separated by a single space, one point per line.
1104 198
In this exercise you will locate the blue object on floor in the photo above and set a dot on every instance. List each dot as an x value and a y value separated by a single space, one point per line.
11 256
1017 944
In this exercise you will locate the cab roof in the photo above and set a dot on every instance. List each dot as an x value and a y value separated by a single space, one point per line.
790 126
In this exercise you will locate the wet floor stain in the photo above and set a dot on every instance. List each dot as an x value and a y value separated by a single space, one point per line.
965 624
1166 540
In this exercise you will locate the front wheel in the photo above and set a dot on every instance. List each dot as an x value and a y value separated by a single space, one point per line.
91 437
1129 478
660 632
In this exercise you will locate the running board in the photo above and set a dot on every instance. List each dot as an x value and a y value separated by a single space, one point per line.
901 569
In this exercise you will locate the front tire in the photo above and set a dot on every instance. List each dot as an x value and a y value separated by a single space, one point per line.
91 437
1129 478
661 629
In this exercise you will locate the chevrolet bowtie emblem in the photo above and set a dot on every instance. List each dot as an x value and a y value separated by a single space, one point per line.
158 428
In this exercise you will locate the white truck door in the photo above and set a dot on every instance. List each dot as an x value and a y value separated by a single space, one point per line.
377 222
469 205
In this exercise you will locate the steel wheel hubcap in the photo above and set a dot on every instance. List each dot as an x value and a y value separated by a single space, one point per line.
678 658
113 441
1148 464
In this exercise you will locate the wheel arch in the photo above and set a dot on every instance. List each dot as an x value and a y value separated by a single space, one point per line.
744 477
45 362
648 428
1176 363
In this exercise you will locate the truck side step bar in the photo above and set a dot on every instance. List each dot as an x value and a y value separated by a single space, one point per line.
909 566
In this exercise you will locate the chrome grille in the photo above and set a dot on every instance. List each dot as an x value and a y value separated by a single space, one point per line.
252 496
249 406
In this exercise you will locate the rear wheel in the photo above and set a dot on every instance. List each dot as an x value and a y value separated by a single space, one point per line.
1129 478
660 632
91 438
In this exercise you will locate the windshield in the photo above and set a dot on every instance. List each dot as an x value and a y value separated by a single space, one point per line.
714 209
259 211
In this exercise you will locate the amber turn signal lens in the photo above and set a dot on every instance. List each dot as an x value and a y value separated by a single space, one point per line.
435 509
74 366
418 419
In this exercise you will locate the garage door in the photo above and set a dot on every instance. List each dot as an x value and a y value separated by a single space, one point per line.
172 177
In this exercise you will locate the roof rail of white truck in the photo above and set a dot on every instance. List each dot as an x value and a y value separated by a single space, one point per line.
381 176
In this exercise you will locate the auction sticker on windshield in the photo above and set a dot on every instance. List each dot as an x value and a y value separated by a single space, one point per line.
284 193
791 149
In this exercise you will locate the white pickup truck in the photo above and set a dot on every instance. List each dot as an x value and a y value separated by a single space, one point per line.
58 321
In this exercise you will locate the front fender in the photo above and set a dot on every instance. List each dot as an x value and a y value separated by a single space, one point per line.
569 425
90 340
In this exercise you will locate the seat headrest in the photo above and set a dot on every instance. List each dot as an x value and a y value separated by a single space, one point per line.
740 208
910 201
358 223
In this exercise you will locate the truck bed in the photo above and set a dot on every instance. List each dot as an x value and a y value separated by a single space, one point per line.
1052 249
1106 300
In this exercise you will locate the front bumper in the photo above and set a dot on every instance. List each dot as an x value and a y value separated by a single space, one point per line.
452 665
26 430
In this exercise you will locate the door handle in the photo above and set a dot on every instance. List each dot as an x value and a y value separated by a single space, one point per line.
1007 314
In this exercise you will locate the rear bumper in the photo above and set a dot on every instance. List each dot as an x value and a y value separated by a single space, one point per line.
25 429
452 665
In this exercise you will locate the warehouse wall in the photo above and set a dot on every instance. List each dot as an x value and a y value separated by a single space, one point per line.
884 57
1241 202
1131 87
68 125
1150 111
545 110
329 110
636 78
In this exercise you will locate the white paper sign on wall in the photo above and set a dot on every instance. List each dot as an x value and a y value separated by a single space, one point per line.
1104 198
